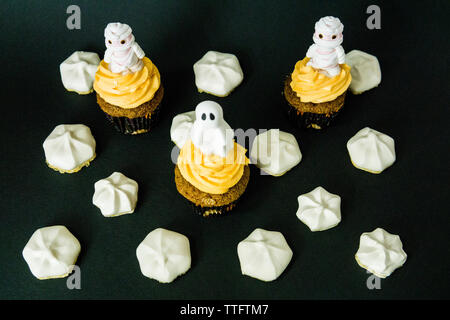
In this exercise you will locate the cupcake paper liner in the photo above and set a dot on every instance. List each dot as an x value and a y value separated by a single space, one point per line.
310 120
212 211
135 125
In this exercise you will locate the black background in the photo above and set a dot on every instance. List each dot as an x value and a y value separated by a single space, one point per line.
411 105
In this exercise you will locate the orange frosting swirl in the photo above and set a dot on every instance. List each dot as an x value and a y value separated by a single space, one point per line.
212 174
127 91
313 86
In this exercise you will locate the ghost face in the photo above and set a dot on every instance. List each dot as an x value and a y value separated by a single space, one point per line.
209 114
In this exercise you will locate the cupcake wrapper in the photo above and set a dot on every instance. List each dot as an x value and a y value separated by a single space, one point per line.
135 125
310 120
212 211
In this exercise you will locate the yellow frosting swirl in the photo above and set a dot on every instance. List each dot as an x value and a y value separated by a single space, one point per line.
212 174
127 91
313 86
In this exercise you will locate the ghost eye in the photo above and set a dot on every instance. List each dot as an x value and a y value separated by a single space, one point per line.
109 41
211 116
333 37
204 116
320 36
122 42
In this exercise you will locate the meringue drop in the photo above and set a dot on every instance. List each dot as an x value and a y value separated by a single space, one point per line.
275 152
319 209
264 255
78 71
365 71
164 255
115 195
371 150
69 147
380 252
51 252
218 73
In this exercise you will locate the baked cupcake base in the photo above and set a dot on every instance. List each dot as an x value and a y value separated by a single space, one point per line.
207 204
310 114
135 120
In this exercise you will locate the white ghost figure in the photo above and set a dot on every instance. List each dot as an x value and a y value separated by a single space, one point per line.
210 133
122 53
326 54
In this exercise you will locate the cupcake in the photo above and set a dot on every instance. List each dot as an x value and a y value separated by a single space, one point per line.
316 89
128 84
212 170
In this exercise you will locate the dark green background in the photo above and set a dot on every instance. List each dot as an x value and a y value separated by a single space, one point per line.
409 199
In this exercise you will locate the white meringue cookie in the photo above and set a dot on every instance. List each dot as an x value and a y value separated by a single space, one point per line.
319 209
69 147
51 252
371 150
115 195
78 71
275 152
164 255
218 73
264 255
180 131
365 71
380 252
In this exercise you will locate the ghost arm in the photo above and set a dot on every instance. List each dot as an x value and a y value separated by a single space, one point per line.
196 134
138 50
220 144
340 55
224 140
108 54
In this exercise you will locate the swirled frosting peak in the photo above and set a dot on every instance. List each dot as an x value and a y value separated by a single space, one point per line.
130 90
211 173
311 85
